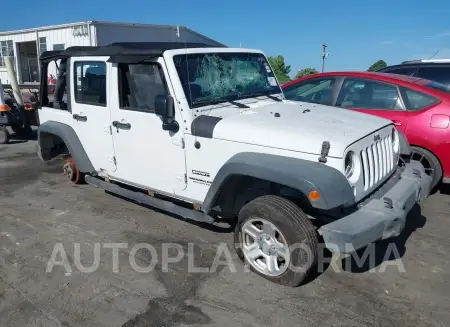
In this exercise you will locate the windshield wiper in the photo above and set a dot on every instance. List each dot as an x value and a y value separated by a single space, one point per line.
257 94
220 100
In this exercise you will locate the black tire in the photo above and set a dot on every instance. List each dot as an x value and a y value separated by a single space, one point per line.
296 228
4 135
430 162
22 131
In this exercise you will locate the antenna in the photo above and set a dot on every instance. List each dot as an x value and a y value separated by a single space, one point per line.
435 54
240 44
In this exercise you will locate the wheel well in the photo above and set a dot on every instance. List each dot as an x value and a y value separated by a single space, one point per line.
51 145
421 147
238 190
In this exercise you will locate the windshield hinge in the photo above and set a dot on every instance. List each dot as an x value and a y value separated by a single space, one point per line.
179 142
182 178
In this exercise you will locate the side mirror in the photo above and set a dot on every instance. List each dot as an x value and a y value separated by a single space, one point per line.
164 107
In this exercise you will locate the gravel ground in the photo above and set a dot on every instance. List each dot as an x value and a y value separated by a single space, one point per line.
39 208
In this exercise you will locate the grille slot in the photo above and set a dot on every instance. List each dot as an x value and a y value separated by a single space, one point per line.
377 161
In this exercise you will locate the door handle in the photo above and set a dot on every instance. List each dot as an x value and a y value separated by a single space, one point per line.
79 118
120 125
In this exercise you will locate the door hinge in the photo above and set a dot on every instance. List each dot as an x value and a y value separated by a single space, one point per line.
113 160
179 142
182 178
108 129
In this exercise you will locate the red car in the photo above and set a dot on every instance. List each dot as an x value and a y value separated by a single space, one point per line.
418 107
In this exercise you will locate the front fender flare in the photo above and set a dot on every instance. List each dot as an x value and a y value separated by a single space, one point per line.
298 174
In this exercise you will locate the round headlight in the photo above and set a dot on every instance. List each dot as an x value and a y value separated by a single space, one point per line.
395 139
349 164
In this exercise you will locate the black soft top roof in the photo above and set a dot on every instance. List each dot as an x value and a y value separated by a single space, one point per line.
123 51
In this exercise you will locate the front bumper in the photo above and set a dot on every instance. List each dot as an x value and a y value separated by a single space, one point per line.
381 217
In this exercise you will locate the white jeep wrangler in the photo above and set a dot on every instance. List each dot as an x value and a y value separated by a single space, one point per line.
206 134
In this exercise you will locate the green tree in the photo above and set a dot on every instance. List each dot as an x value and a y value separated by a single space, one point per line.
306 71
280 69
377 65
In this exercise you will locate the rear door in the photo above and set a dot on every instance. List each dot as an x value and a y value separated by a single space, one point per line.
375 98
90 109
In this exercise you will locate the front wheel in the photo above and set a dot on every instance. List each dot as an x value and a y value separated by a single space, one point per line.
277 239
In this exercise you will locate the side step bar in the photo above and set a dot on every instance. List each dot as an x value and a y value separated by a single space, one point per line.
144 199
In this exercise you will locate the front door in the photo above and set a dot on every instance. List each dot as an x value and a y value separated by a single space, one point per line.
147 156
374 98
91 109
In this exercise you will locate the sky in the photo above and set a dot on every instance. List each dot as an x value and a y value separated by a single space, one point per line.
357 33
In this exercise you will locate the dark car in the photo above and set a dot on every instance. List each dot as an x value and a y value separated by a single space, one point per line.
436 70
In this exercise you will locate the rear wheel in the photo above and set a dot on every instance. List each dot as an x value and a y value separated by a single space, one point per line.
72 172
429 161
4 135
276 238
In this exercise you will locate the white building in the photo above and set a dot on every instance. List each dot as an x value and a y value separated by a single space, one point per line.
26 45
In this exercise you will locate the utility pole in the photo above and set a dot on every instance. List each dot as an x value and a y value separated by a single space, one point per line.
324 55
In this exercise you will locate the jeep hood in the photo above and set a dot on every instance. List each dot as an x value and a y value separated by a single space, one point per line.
296 126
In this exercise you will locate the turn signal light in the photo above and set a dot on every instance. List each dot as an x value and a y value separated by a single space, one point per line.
4 108
314 195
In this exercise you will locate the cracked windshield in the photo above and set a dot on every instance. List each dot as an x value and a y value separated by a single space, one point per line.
220 77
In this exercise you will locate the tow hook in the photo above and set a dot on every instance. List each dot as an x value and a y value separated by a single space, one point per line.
388 203
417 173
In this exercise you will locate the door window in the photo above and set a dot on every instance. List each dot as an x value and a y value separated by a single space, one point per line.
90 82
42 44
415 100
139 85
6 49
365 94
409 71
318 90
438 74
59 46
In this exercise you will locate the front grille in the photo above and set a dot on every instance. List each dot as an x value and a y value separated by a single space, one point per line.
378 161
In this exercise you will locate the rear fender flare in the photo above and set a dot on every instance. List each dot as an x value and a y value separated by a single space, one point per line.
67 134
